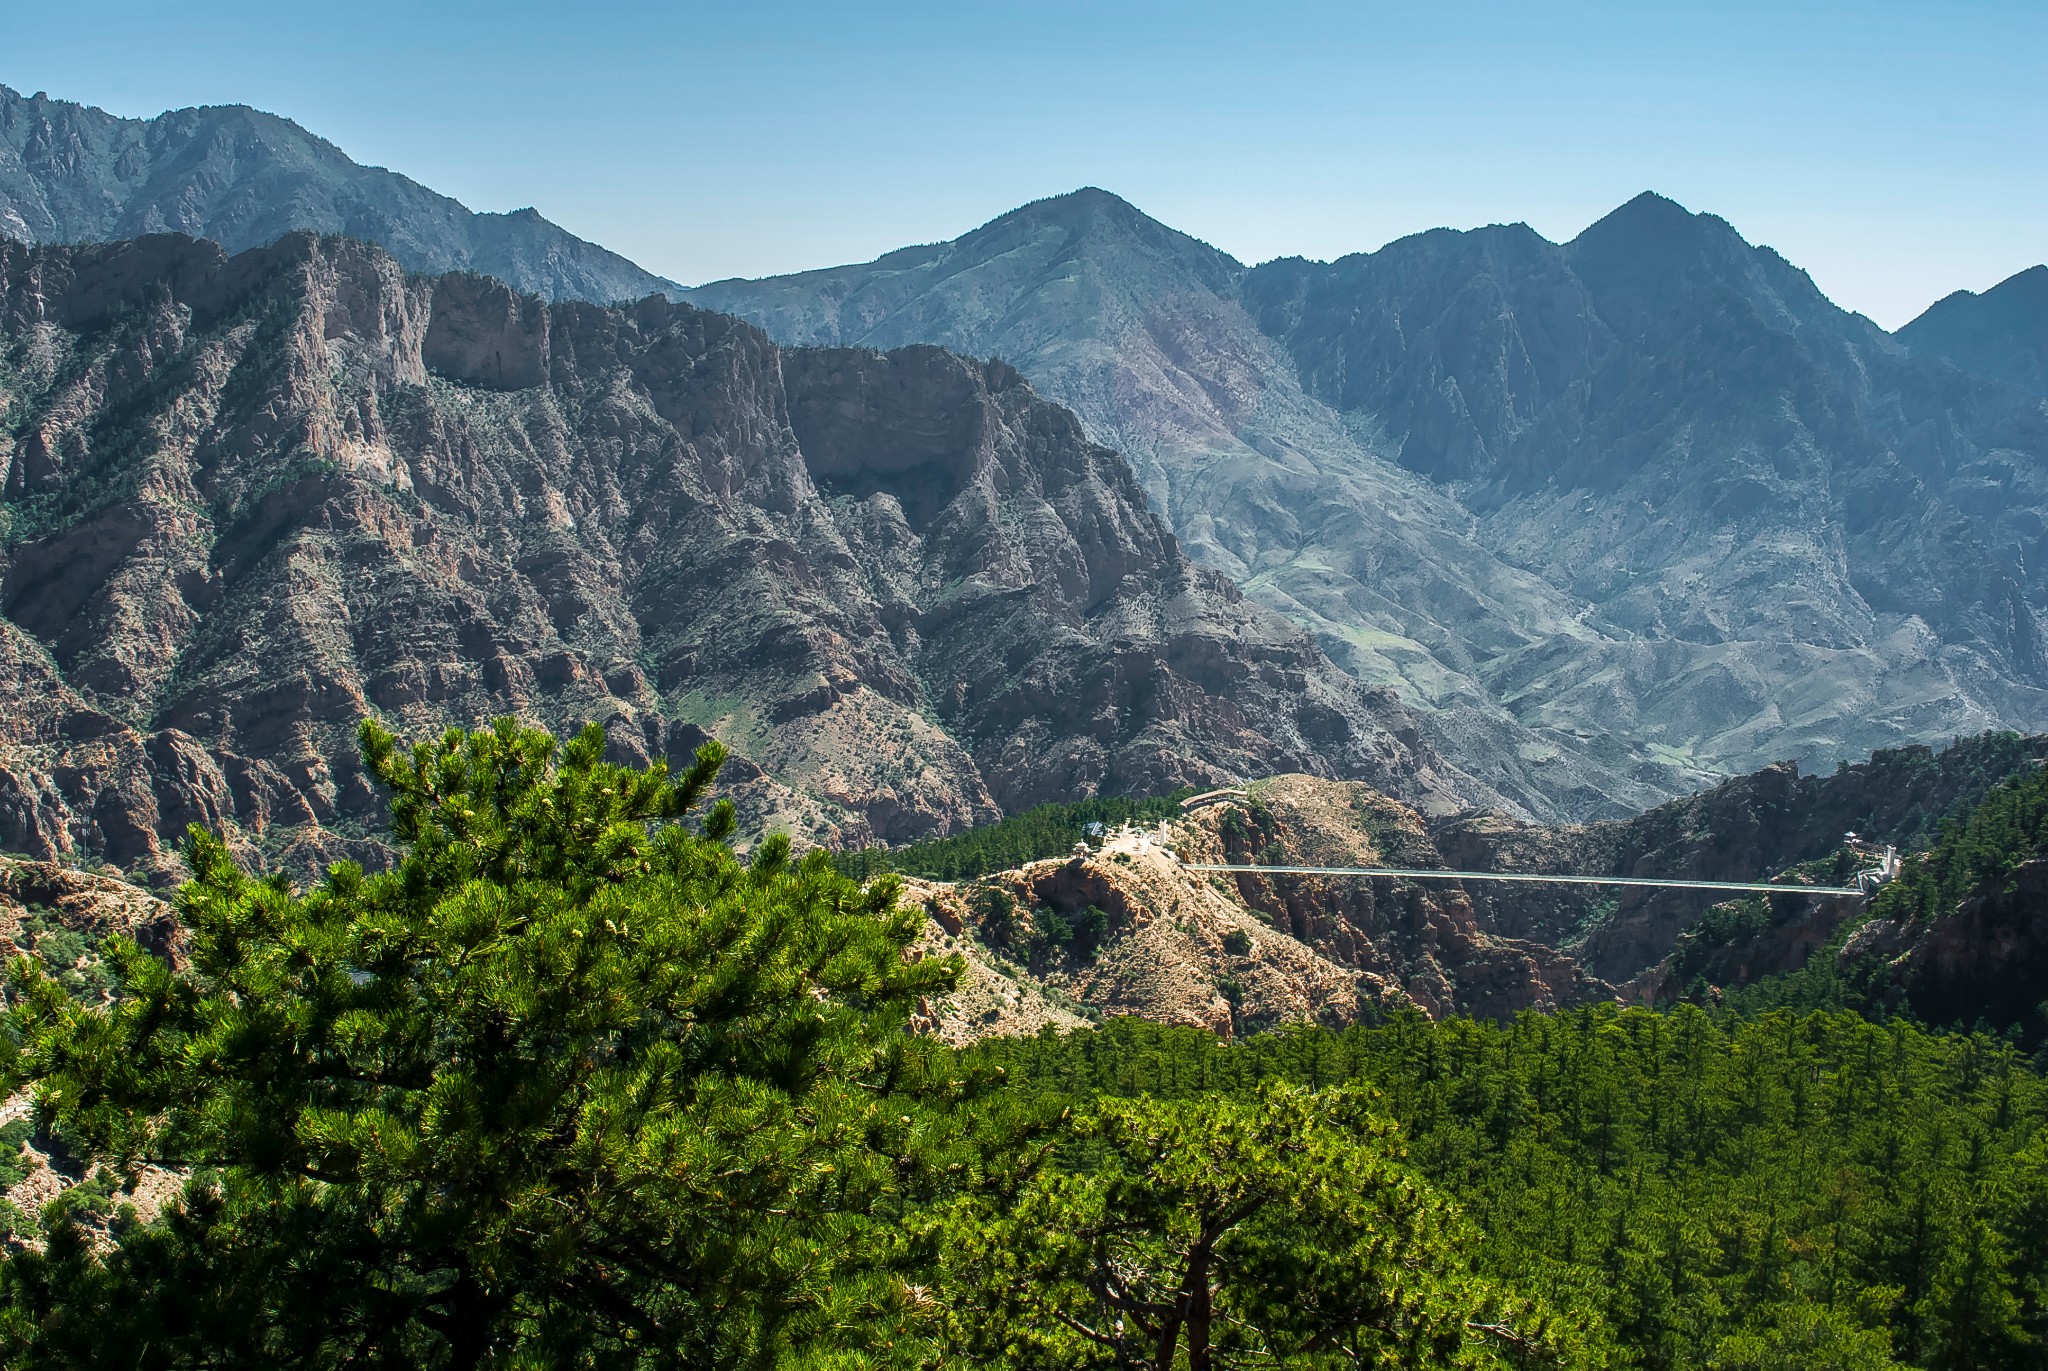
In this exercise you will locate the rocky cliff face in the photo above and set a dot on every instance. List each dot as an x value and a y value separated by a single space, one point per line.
60 917
1986 961
1142 332
71 173
1625 513
251 500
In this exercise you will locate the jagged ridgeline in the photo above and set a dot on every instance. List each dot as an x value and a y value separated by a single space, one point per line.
1049 830
250 501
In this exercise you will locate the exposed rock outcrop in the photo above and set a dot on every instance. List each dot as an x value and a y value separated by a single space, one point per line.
38 897
1622 515
1235 953
252 500
1984 961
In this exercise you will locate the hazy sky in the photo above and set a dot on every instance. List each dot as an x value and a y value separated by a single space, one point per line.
1896 151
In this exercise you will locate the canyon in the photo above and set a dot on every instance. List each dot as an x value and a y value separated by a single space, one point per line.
251 500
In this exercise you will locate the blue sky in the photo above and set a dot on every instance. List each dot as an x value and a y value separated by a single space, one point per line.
1896 151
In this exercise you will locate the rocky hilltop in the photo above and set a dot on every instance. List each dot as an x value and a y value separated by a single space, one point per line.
250 500
73 174
1626 513
1128 929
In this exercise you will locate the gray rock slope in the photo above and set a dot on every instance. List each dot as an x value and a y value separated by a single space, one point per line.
1142 332
1626 511
71 173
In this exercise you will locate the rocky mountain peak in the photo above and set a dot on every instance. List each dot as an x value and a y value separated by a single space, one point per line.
1100 226
1087 206
1649 215
1620 514
244 178
2002 333
1647 258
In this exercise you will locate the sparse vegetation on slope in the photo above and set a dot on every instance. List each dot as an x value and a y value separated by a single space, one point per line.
1048 830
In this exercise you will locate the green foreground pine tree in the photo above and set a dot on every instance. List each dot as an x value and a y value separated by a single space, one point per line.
1279 1230
570 1085
573 1086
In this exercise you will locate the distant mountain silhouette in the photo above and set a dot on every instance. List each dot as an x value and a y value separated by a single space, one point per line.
2001 333
71 173
1678 513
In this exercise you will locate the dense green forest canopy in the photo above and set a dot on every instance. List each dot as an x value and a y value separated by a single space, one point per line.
569 1085
1724 1191
573 1085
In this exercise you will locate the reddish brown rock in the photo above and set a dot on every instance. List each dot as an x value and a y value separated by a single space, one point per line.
1985 960
260 498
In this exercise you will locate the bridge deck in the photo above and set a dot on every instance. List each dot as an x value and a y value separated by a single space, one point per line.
1432 875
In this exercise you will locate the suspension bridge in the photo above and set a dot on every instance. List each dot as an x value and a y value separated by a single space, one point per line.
1886 866
1531 877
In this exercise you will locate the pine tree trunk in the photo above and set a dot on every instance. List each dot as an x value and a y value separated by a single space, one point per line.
1198 1315
1190 1309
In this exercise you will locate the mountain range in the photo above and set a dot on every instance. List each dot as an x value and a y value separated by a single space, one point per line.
252 500
1610 518
71 173
1621 513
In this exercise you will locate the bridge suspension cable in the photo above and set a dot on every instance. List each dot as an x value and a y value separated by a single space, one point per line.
1427 874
